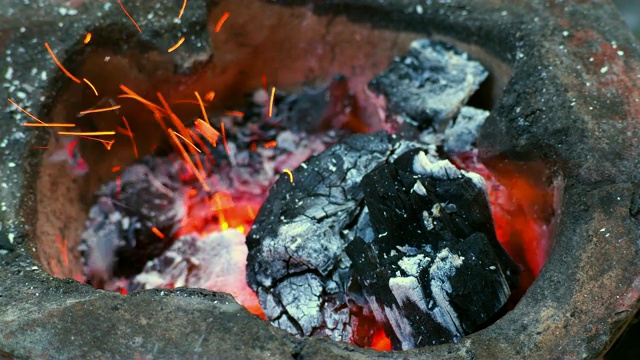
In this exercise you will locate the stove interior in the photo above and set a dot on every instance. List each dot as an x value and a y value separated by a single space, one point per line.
290 47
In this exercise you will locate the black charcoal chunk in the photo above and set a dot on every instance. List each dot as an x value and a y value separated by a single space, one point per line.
430 84
430 275
461 134
301 231
319 110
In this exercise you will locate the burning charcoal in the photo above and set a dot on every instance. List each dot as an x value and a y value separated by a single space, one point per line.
215 262
430 83
461 134
121 234
434 270
298 237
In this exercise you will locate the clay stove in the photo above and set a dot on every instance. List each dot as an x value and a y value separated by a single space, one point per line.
558 66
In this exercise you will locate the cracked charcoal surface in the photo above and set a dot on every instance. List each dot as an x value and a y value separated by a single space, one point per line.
435 270
301 230
430 84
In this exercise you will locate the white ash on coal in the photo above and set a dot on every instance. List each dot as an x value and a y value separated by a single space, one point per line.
434 270
301 231
460 134
311 253
428 86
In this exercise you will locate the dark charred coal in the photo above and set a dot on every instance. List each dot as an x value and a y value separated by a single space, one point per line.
434 270
429 85
319 110
296 262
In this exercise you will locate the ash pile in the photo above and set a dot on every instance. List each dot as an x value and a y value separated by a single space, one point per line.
379 225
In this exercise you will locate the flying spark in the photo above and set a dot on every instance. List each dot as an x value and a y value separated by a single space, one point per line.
207 131
177 45
220 22
224 138
47 125
288 172
135 148
107 143
90 85
55 59
273 93
204 113
90 111
210 95
129 16
188 142
157 232
184 5
87 38
80 133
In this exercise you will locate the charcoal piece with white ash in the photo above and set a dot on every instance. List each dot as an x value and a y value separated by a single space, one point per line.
429 85
118 238
296 262
434 271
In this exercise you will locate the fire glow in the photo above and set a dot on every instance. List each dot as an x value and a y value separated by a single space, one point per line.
519 227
